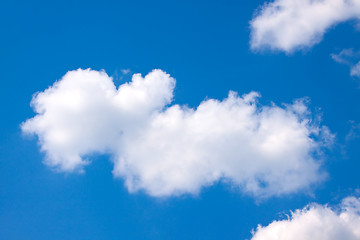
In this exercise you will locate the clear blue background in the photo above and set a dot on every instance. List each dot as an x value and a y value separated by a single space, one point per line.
205 46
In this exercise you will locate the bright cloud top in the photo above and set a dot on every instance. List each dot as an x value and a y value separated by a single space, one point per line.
171 150
316 222
289 25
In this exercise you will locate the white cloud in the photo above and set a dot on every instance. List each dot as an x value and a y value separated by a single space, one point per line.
289 25
355 70
316 222
171 150
351 58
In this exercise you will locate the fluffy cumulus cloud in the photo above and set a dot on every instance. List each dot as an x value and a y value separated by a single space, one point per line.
166 149
351 58
289 25
316 222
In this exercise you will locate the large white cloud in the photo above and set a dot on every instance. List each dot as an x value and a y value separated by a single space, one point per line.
170 150
289 25
316 222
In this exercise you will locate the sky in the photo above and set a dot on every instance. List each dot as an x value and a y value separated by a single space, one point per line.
180 119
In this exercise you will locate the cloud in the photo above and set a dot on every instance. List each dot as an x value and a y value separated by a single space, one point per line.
289 25
351 58
316 222
125 71
345 56
355 70
354 131
165 149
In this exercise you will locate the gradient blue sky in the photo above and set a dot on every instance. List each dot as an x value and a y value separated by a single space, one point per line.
205 46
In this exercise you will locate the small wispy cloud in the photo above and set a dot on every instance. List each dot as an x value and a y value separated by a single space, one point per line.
355 70
350 58
346 56
354 131
125 71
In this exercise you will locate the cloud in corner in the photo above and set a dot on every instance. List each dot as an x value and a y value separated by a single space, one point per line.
290 25
316 222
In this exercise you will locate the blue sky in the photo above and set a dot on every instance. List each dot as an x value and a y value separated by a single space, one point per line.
206 46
